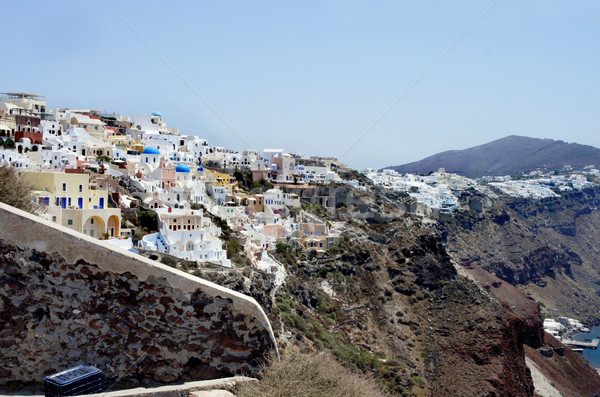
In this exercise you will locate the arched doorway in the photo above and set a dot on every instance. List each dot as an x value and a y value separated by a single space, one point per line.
94 226
113 226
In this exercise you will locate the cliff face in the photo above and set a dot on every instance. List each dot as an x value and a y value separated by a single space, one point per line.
550 248
388 300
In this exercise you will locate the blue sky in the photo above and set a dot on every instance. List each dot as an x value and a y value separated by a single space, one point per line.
312 76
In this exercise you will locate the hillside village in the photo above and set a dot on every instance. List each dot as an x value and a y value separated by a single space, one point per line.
137 184
440 190
91 171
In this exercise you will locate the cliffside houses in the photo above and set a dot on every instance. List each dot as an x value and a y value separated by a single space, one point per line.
188 235
75 159
542 186
438 191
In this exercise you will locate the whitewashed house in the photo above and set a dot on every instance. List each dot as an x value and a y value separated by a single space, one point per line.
187 235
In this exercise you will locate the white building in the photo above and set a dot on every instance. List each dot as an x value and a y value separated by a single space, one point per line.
318 174
14 159
187 235
268 155
150 122
50 129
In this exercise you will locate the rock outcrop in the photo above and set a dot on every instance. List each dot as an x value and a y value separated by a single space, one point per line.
549 247
392 292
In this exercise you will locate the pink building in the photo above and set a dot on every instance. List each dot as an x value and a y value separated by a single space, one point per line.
274 231
167 175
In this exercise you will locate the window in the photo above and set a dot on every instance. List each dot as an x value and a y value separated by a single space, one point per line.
70 222
54 219
80 188
64 187
92 221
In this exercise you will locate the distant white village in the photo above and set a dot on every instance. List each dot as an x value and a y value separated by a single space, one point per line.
440 190
89 169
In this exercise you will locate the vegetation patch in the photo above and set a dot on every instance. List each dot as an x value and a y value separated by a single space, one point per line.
308 374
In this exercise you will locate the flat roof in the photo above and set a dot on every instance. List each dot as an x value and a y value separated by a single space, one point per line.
22 95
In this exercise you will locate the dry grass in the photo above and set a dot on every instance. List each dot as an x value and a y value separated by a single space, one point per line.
308 374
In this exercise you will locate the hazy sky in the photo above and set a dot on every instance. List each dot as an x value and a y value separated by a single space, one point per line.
313 76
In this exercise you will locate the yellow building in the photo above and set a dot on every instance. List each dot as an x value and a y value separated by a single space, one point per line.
73 203
221 179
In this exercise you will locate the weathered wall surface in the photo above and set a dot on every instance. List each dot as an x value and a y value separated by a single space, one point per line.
67 299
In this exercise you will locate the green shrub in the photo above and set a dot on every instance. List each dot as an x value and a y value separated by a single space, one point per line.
281 247
167 260
147 220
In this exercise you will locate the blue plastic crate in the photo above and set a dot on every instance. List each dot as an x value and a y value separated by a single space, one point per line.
82 379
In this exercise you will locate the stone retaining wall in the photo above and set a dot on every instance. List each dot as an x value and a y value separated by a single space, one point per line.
67 299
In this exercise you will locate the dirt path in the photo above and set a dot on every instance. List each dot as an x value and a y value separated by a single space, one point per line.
543 387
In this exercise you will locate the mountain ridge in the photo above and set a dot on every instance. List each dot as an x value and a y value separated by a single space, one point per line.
512 154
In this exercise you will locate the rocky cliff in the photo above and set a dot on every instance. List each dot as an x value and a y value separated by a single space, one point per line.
388 301
550 248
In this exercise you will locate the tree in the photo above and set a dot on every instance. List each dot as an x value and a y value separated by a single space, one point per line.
15 191
147 220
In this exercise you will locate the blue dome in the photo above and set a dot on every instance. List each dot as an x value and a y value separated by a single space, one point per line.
157 114
151 150
200 169
182 168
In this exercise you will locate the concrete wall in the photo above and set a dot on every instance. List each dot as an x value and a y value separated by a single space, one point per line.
68 299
